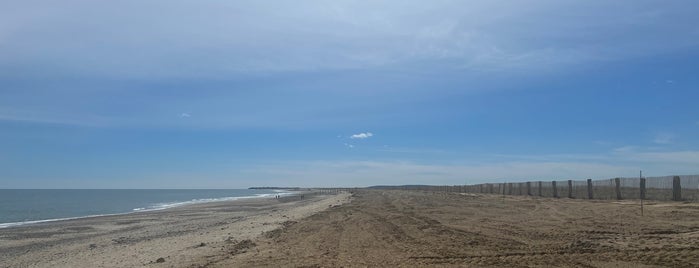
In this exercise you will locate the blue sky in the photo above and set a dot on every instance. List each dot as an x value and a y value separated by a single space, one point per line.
232 94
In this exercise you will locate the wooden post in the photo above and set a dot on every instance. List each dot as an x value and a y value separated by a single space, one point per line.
529 188
589 188
570 188
555 191
676 189
519 188
643 188
509 188
617 188
540 192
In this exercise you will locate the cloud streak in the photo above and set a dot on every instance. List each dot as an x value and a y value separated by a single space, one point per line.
496 168
366 173
219 39
664 138
361 136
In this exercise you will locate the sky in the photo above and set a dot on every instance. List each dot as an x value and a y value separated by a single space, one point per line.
234 94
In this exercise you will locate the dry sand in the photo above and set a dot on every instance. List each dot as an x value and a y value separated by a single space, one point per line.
190 236
416 229
375 229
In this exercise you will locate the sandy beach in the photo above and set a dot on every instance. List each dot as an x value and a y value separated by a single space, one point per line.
419 229
372 229
189 236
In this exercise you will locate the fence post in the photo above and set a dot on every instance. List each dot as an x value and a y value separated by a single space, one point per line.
643 188
529 188
540 192
676 189
555 190
519 188
589 188
570 188
509 188
617 188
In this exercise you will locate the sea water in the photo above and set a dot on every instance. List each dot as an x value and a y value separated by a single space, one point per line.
19 207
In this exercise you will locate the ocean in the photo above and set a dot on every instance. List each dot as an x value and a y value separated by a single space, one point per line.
19 207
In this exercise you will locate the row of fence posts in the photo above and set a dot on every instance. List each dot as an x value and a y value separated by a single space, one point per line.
332 190
508 189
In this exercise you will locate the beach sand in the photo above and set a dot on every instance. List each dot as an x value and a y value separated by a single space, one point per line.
188 236
416 229
373 229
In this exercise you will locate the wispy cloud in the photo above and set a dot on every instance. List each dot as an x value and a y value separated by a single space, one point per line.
497 168
664 138
476 35
676 157
183 115
72 120
390 149
364 135
364 173
625 149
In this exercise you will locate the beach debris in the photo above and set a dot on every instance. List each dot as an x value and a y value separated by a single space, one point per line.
160 260
93 246
286 224
273 234
242 246
121 240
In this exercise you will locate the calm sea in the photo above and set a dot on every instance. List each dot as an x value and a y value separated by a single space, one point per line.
18 207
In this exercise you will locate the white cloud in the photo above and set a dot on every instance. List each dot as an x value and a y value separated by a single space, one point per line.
364 135
185 115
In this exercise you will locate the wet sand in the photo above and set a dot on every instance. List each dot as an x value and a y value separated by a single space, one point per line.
189 236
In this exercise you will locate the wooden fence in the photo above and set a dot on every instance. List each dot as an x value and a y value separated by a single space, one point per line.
670 188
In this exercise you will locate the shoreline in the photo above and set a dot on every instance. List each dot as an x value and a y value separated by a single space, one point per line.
182 236
165 206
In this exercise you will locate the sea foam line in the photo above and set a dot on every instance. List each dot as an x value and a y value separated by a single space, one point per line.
152 208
